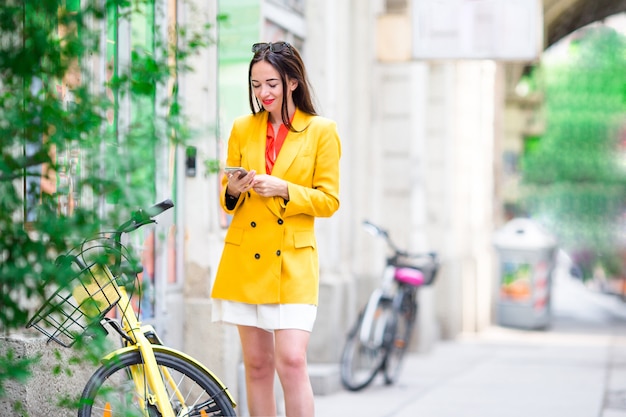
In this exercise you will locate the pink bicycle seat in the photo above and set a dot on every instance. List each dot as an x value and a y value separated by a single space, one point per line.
409 276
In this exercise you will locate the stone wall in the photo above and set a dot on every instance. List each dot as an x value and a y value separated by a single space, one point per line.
56 376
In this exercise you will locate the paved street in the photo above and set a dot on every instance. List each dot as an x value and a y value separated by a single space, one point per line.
576 368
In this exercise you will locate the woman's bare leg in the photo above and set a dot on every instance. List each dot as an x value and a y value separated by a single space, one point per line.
291 364
258 358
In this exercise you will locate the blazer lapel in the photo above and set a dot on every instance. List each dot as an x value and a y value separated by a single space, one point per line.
257 144
291 147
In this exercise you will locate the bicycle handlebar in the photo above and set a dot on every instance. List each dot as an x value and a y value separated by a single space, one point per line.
159 208
429 268
144 216
137 219
398 253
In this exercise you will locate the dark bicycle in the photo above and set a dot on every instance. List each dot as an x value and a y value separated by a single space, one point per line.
380 337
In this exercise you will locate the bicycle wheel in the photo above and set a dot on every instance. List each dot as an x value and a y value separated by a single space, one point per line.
364 352
404 313
111 391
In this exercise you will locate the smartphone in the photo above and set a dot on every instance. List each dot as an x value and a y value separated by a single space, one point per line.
242 171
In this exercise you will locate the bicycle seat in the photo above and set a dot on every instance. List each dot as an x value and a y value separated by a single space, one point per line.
409 276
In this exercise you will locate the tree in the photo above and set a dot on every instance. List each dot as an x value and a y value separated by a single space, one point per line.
574 177
65 156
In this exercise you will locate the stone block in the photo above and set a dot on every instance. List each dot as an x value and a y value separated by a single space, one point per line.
325 378
57 375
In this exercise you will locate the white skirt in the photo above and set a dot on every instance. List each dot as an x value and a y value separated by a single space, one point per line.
265 316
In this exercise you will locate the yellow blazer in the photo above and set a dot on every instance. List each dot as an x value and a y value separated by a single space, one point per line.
270 251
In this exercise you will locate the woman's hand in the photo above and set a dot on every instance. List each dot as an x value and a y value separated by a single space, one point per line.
269 186
238 185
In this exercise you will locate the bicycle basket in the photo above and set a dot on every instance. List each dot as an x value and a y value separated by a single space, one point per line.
72 309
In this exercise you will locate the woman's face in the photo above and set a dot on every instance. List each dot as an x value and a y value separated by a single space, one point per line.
268 87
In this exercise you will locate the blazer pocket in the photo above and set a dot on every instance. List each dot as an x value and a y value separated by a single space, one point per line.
303 240
234 236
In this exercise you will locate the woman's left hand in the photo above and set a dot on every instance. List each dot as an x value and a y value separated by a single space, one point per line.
269 186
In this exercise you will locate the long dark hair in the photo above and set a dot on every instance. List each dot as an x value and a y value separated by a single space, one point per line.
287 61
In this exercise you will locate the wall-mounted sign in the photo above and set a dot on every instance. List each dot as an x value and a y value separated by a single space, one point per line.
507 30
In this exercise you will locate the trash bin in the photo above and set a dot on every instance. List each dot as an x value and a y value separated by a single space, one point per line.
526 261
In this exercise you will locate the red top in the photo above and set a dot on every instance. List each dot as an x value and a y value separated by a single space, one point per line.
273 145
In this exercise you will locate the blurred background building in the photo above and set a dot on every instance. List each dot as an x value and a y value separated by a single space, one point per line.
427 98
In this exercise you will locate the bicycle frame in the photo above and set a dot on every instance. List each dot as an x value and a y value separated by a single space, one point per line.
149 372
384 290
149 375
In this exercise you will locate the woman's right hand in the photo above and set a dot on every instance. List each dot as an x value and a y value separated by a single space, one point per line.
238 185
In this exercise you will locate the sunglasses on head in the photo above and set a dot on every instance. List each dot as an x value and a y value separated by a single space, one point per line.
273 47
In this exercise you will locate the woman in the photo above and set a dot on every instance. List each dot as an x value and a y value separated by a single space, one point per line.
267 279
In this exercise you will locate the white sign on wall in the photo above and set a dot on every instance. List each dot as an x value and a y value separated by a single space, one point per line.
508 30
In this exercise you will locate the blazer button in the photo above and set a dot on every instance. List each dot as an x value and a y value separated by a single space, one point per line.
278 252
253 224
280 221
257 256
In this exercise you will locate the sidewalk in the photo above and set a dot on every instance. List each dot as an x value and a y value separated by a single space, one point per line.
576 368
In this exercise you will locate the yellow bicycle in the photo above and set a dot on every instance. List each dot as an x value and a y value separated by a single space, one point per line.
143 377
